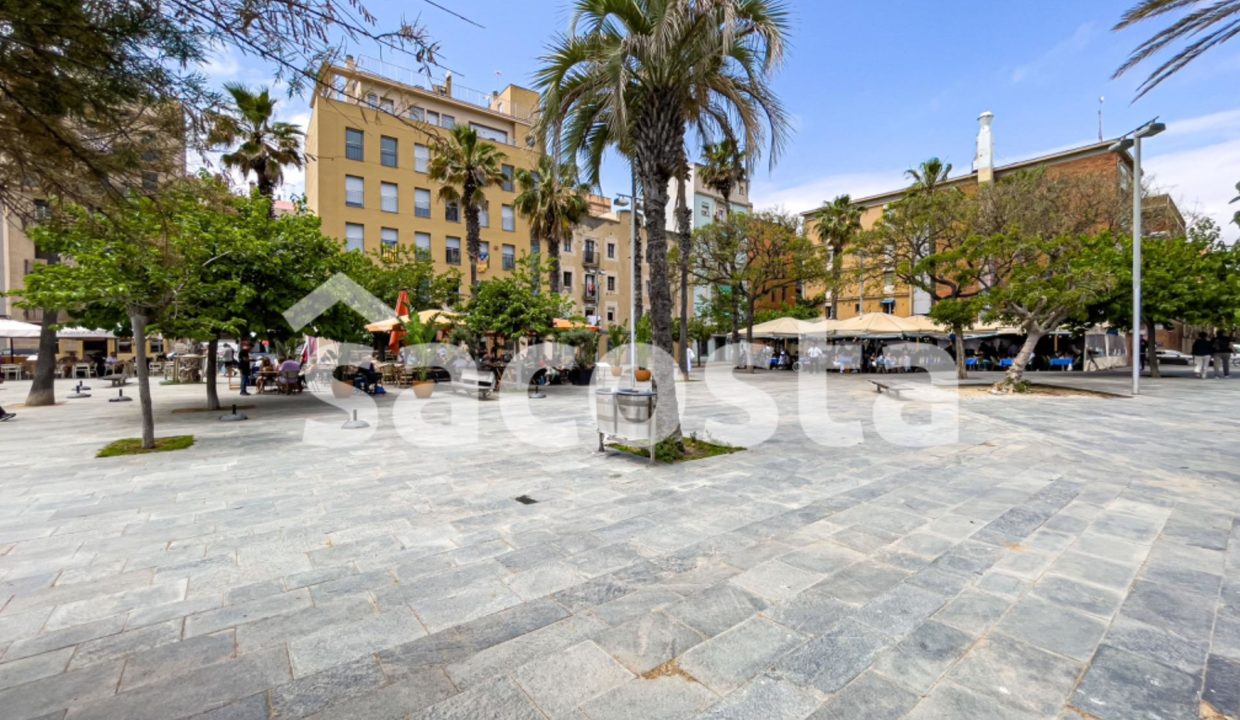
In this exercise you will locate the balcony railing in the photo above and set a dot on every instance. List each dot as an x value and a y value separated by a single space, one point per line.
589 257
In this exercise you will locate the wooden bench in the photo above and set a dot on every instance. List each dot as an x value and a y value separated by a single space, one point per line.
891 389
117 379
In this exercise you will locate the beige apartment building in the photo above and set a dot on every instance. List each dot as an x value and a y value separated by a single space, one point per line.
368 148
596 265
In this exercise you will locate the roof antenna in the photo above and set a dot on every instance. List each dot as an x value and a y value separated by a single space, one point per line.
1101 100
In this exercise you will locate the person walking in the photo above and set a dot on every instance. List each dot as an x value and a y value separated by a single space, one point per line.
1203 350
1222 354
243 362
6 416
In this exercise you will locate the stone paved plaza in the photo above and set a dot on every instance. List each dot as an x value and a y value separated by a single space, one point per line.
1066 558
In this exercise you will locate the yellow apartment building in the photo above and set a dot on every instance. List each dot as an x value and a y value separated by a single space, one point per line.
368 148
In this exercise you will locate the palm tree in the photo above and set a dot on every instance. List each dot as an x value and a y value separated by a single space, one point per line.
723 169
636 75
262 146
466 165
929 175
554 201
1208 24
838 222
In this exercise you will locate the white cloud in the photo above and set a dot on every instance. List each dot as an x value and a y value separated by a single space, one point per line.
1061 51
1201 180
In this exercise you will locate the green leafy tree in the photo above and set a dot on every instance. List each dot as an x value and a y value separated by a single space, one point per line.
467 165
1204 25
837 223
637 74
260 144
554 200
386 272
517 305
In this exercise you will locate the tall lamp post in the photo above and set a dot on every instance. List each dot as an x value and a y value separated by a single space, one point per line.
1133 140
624 200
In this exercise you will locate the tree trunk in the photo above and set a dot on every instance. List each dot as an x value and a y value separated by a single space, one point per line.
473 236
962 370
213 396
736 322
835 283
683 218
138 320
1016 373
43 388
753 302
661 305
637 271
1151 347
553 259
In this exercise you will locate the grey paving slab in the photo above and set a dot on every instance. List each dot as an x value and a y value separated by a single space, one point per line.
870 695
34 667
1119 684
664 697
560 682
307 695
727 661
57 692
1017 674
973 611
164 661
717 609
920 659
765 697
647 642
831 660
1222 686
499 698
1053 627
951 702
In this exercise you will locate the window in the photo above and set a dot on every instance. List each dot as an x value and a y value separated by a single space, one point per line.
611 314
150 181
421 158
422 241
453 252
415 113
354 191
484 216
588 252
372 99
567 247
611 283
509 172
422 202
509 257
611 251
42 211
447 121
388 237
490 133
432 117
354 237
452 212
353 144
388 197
705 209
568 280
509 220
889 306
484 252
387 151
386 105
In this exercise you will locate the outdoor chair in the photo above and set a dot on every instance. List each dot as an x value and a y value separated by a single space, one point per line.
289 382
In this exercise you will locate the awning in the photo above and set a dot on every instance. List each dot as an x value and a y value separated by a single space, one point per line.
566 324
81 333
444 317
18 329
884 325
782 327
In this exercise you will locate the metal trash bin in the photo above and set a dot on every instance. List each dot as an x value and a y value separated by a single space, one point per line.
626 414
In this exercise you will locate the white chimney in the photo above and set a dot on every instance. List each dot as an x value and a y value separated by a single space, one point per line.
984 161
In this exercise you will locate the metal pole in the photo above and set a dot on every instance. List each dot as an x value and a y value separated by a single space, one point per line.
633 279
1136 267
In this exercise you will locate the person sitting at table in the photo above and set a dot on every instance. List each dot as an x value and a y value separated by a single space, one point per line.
368 374
289 368
266 373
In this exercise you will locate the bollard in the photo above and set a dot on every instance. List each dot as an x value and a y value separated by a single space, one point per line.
234 416
77 393
120 396
354 424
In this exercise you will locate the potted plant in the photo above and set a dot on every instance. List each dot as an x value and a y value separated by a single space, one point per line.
617 336
342 384
645 335
585 344
419 336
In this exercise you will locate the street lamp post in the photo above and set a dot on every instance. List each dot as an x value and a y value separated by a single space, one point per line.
1133 141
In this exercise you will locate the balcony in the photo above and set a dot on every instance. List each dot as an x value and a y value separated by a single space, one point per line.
589 292
589 257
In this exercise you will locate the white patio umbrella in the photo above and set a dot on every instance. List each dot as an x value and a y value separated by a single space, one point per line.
81 333
10 329
877 324
781 328
824 326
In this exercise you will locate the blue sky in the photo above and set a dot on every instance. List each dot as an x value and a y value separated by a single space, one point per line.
874 88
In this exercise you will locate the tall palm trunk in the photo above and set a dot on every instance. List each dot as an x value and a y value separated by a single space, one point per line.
638 304
654 182
43 388
683 218
138 319
473 235
836 272
553 255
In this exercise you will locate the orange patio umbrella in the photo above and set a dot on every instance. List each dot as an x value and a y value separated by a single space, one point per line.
398 332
